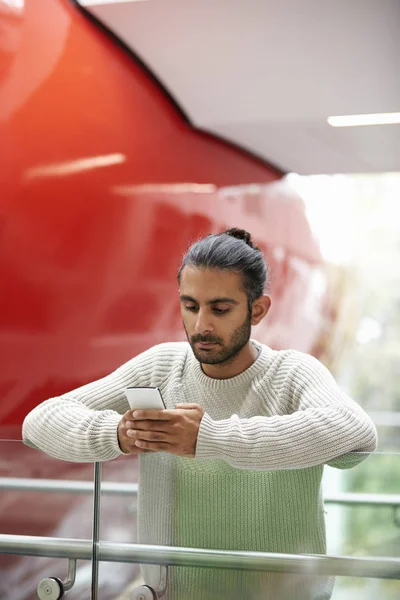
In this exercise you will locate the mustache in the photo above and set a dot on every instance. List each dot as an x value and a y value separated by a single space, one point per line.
205 339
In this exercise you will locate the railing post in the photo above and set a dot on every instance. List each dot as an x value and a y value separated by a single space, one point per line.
96 531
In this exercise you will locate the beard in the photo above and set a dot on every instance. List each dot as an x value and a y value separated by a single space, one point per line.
221 353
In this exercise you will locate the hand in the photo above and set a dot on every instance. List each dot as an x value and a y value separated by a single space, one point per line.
174 431
127 443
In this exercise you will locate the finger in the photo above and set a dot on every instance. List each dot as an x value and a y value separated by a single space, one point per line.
129 440
187 405
130 447
153 446
147 435
150 426
151 436
144 434
153 415
128 414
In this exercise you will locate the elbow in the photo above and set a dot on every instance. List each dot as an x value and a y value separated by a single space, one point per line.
364 444
374 441
35 427
365 437
370 437
362 433
28 432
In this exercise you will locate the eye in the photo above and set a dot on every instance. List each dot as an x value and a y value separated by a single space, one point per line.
192 308
221 311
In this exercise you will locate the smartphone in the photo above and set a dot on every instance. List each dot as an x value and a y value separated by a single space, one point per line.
144 397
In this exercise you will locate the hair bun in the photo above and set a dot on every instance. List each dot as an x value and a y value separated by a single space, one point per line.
243 235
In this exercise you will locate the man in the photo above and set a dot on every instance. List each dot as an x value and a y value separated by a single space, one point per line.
236 459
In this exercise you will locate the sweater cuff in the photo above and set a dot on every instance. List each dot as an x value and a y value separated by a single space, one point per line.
105 438
213 438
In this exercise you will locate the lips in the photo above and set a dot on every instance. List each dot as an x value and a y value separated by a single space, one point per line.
206 345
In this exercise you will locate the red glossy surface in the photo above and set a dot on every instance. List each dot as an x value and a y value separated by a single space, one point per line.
88 252
95 213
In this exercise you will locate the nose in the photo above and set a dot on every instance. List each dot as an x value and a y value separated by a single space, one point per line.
203 323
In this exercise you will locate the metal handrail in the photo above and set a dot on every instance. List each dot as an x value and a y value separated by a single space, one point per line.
313 564
352 499
131 489
67 486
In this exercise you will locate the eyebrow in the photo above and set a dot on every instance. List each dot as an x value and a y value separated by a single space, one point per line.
223 300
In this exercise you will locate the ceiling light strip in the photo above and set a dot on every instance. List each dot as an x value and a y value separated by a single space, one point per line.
87 3
357 120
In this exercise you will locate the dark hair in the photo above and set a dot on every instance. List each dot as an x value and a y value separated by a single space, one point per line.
232 250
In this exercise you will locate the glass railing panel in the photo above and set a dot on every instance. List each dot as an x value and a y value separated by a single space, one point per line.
50 512
356 588
367 526
118 523
388 428
353 529
370 525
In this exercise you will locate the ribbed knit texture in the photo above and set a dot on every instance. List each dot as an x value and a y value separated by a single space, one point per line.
255 483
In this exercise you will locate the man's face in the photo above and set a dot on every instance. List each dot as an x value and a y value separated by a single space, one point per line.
215 314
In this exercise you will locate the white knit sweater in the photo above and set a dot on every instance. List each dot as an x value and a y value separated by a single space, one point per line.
255 483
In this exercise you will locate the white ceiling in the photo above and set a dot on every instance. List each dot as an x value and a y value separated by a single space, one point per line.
266 74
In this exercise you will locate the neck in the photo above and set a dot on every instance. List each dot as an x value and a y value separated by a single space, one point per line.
233 366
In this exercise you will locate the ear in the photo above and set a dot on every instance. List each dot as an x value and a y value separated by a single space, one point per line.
260 309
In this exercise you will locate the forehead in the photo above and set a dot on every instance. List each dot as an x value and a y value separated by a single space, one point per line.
203 284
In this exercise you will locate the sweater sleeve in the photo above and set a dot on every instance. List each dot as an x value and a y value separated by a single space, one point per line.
324 426
81 426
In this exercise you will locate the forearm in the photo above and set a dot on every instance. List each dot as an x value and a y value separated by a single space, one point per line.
67 430
81 426
299 440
